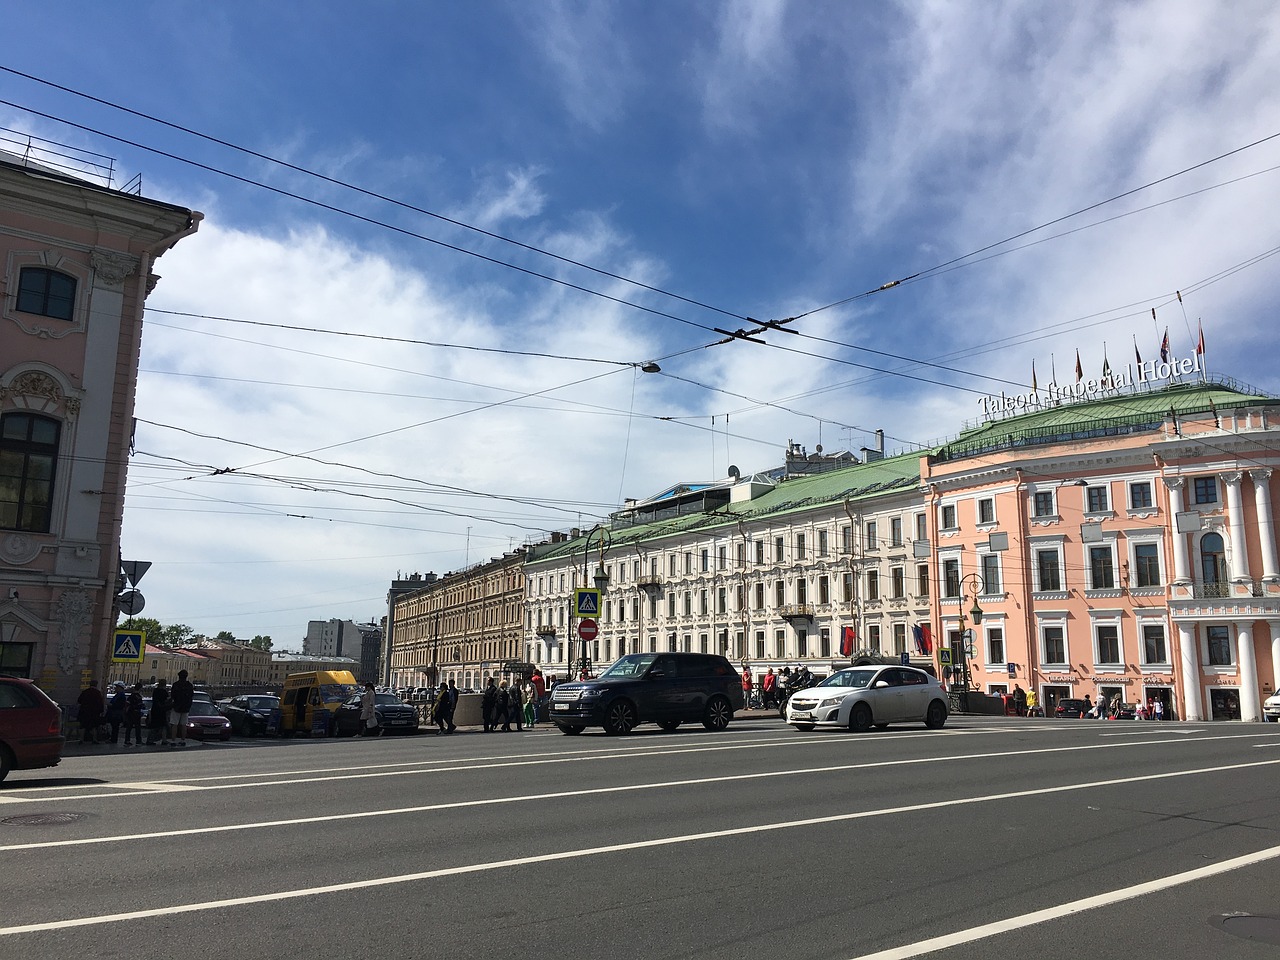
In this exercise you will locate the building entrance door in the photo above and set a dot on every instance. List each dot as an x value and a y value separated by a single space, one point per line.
1050 697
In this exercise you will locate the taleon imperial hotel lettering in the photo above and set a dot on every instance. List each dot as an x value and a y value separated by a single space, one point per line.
1149 371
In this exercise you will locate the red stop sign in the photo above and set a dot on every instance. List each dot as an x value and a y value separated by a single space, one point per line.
587 629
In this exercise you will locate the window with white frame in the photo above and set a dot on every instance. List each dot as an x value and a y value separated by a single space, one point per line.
870 540
1218 640
824 590
779 643
1102 568
1140 495
822 543
1042 504
846 588
873 584
986 510
759 644
1053 644
1154 649
759 551
779 549
951 577
1048 561
898 582
800 546
873 636
1097 499
948 518
1205 489
802 590
779 593
846 539
922 527
899 638
895 531
1146 565
995 645
1106 644
991 573
922 579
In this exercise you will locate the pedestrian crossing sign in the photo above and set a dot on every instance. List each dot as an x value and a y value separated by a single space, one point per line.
586 603
128 646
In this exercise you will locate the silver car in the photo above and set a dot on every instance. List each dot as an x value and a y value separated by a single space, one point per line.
1271 708
872 696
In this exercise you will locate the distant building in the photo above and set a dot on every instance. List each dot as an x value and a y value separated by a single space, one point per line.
76 258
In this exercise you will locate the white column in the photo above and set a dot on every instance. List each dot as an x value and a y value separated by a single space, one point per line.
1189 667
1235 523
1266 527
1249 705
1181 560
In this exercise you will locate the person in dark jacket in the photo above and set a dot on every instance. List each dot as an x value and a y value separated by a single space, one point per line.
115 709
180 697
489 705
158 718
453 705
133 717
515 707
91 706
440 710
501 710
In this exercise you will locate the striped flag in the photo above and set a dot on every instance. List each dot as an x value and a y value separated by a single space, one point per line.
1164 347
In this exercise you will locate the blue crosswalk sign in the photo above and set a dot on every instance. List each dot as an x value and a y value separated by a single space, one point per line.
128 646
586 603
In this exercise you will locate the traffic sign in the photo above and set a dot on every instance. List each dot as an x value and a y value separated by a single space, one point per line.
128 646
134 570
586 603
904 658
944 656
588 629
131 602
1012 668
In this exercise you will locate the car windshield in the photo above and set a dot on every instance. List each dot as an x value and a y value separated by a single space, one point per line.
263 703
858 678
632 665
385 699
203 708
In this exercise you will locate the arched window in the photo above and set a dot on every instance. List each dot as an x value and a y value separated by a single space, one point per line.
46 292
28 463
1213 565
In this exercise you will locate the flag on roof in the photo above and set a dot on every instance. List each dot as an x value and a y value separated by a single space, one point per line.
1035 386
1079 369
1200 340
1164 347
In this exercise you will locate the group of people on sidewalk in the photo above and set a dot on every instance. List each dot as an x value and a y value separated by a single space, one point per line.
504 704
101 719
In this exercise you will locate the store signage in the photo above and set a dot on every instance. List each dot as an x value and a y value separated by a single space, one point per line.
1149 371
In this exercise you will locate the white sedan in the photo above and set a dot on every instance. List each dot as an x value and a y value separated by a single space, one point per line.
873 696
1271 708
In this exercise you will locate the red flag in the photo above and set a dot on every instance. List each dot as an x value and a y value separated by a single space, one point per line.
1079 369
847 637
924 637
1200 342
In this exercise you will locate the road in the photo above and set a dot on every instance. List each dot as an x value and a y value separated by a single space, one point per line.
993 837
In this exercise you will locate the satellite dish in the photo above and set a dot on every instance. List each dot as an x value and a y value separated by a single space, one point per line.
734 472
818 448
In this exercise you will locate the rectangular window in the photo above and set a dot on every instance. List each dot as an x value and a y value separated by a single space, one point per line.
898 581
846 539
1049 571
1153 647
1108 640
802 644
899 638
1042 505
951 578
824 590
1102 574
922 580
1146 565
759 551
1054 643
1096 500
846 588
671 604
759 644
705 557
1206 489
722 599
779 549
871 543
1139 495
922 527
722 558
780 643
28 464
873 636
1219 646
991 573
802 590
672 564
742 559
800 546
822 543
986 510
46 292
895 532
949 517
759 596
824 643
688 604
740 597
995 645
873 585
779 594
688 561
702 603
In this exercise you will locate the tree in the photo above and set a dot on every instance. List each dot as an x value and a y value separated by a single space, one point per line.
260 642
151 628
175 635
226 636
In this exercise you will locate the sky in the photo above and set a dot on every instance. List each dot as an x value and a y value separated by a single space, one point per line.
441 241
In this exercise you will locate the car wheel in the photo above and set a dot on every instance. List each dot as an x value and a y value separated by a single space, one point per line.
668 725
570 731
860 718
936 715
719 713
803 727
619 718
6 762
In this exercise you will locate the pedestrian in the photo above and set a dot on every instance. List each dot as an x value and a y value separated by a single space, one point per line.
180 696
488 706
453 705
746 688
1140 711
91 706
133 717
501 704
1159 709
115 709
158 718
531 708
1104 702
539 691
515 706
1033 703
1088 707
440 710
368 715
769 689
1019 700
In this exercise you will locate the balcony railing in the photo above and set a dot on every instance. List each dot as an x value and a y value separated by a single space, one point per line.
796 611
545 630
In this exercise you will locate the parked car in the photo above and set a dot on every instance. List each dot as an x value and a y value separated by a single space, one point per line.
665 688
394 715
1271 708
1070 707
870 696
30 727
204 722
249 713
1125 711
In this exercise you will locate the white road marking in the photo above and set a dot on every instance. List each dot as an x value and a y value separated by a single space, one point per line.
994 929
506 864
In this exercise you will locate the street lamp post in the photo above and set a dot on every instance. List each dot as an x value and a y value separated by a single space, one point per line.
601 579
960 676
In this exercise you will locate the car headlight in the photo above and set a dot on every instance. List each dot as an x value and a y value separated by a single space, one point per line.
831 702
591 693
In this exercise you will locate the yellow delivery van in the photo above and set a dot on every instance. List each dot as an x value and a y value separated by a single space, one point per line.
311 699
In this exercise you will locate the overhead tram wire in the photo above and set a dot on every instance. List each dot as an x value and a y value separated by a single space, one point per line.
374 194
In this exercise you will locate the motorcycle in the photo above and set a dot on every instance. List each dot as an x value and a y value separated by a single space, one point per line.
797 682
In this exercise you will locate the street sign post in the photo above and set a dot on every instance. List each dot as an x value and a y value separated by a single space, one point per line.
128 646
586 603
588 629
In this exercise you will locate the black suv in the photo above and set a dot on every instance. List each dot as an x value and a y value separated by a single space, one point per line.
667 688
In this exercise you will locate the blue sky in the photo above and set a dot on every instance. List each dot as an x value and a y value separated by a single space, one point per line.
759 159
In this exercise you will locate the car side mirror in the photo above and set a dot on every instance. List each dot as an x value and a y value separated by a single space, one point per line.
879 683
657 672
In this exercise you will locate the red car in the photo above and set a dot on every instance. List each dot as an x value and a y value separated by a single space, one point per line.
30 727
206 722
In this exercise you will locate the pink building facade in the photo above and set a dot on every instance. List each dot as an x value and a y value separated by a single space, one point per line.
1123 546
77 266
